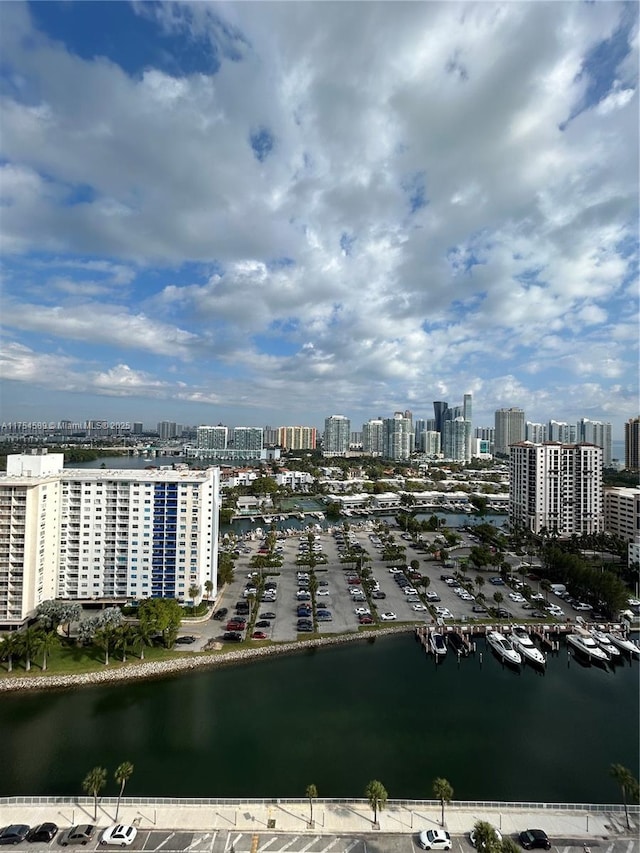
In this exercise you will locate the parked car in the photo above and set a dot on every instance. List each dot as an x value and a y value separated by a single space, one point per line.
378 594
497 835
365 620
236 625
434 839
324 616
232 636
220 614
14 834
263 623
388 617
432 596
534 838
267 615
120 835
185 641
42 832
80 834
258 635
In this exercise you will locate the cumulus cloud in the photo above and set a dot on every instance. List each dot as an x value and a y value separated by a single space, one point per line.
359 204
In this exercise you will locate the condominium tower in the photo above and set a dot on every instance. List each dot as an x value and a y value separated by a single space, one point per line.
297 437
632 444
337 434
509 429
556 488
105 534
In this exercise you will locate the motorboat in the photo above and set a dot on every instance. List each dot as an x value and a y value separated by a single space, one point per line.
605 643
584 642
624 643
437 644
503 647
523 643
459 644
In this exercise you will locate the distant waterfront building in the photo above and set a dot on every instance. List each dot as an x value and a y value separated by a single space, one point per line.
537 433
93 533
596 432
509 429
138 428
556 488
270 436
431 443
397 437
247 438
337 434
632 444
372 437
419 427
562 432
168 430
297 438
456 437
212 437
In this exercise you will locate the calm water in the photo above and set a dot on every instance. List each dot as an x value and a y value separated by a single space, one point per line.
337 717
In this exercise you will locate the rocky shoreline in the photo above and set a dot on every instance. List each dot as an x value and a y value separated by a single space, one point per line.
161 669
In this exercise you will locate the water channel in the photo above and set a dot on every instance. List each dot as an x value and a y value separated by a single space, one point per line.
337 717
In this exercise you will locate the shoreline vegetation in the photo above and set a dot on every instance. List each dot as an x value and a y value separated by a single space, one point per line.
148 670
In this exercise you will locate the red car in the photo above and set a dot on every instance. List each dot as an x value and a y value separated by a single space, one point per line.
258 635
236 625
365 620
354 580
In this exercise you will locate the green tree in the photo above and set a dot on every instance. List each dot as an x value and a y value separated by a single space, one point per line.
105 638
311 794
509 846
442 791
208 588
10 646
194 592
29 642
48 642
486 838
122 775
94 782
498 597
377 796
628 785
161 616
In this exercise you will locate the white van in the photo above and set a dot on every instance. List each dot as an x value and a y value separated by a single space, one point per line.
558 588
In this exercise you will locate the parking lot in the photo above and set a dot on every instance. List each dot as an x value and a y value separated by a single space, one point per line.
453 602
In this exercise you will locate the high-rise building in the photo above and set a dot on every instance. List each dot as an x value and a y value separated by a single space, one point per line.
431 442
270 436
537 433
622 513
562 432
419 426
439 409
93 533
297 438
456 435
372 437
212 437
167 430
337 434
632 444
397 437
556 488
247 438
138 428
509 429
596 432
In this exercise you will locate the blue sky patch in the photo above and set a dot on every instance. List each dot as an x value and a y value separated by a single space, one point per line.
262 143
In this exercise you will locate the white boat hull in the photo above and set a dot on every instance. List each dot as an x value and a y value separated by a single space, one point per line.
593 652
438 645
528 650
508 655
624 644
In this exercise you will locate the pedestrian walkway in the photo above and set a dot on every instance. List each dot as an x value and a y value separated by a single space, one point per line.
587 823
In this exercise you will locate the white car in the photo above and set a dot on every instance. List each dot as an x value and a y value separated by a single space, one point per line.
444 613
394 571
322 592
409 590
434 839
517 597
472 837
388 617
466 596
420 608
362 611
119 834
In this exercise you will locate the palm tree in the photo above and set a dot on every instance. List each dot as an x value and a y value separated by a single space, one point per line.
486 838
141 638
48 642
377 796
194 592
10 646
94 782
30 639
208 588
311 793
442 791
124 638
628 784
122 775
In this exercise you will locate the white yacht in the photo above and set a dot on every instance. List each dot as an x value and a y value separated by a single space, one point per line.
624 643
438 644
604 641
585 643
504 648
523 643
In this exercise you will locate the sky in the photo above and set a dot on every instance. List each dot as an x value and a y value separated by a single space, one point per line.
260 213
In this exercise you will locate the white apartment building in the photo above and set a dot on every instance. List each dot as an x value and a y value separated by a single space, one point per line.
622 513
509 429
247 438
337 434
556 487
372 437
212 437
92 533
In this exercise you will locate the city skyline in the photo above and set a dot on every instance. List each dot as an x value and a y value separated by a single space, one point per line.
236 210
